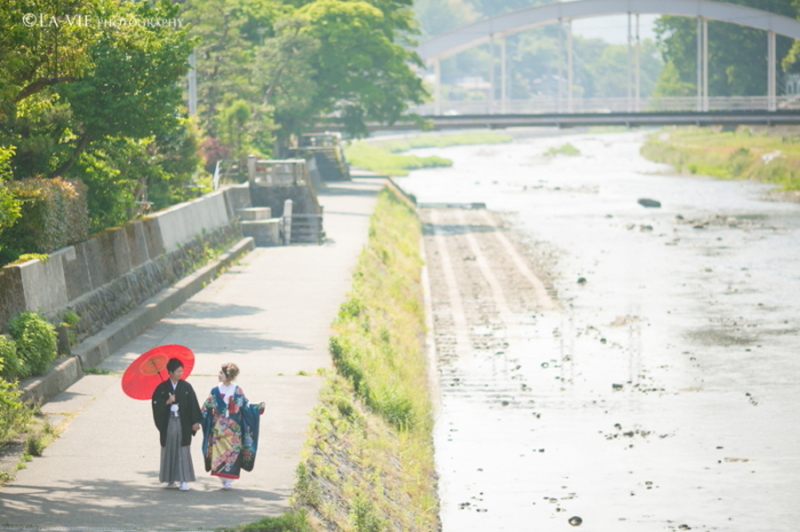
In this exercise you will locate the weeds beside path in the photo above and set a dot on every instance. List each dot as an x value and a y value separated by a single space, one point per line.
368 464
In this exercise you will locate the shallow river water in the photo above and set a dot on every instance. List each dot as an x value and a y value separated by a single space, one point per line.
663 391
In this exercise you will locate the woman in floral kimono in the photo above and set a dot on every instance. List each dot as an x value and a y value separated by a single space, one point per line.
230 428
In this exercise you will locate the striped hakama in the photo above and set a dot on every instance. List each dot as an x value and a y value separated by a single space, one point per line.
176 461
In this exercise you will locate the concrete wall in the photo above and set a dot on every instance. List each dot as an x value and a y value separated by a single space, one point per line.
181 223
237 197
120 266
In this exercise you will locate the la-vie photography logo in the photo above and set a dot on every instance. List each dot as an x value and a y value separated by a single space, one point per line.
39 20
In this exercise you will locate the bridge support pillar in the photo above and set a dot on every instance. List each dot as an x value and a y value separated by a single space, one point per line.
699 75
503 76
702 65
437 86
638 70
569 66
634 84
629 72
560 86
492 83
772 100
706 106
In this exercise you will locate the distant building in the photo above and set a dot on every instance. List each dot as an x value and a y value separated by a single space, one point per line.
475 84
792 84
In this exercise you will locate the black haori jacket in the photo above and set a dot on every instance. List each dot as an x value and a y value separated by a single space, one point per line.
189 409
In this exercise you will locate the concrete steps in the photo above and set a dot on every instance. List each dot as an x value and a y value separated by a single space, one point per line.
257 222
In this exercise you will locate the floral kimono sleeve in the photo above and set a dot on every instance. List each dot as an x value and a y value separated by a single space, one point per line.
207 408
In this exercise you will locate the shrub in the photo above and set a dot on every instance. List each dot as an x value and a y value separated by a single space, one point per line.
54 215
9 206
364 517
36 342
565 149
111 197
288 522
34 445
13 414
9 361
307 490
70 318
738 161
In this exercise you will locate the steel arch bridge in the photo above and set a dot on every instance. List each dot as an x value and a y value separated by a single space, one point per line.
434 50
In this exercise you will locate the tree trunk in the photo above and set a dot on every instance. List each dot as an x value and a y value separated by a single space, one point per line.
38 85
66 165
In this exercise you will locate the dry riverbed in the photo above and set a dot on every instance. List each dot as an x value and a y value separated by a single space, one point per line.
605 366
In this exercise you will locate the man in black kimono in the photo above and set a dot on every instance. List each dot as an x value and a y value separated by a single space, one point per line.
177 416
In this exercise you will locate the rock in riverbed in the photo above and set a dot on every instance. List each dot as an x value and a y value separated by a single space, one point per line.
647 202
575 520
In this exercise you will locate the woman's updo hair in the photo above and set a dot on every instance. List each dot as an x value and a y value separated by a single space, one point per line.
230 370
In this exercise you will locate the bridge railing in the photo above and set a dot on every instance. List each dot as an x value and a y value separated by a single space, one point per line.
604 105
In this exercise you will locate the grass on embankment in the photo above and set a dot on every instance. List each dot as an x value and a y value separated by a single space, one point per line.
384 157
368 463
739 154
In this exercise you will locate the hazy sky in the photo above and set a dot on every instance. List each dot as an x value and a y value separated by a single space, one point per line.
614 29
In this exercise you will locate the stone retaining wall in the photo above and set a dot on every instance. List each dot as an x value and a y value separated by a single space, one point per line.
100 307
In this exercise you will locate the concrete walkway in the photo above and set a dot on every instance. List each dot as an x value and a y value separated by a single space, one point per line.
270 315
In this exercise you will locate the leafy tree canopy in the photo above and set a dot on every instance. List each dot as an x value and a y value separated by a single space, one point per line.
106 102
9 206
440 16
737 55
365 75
87 89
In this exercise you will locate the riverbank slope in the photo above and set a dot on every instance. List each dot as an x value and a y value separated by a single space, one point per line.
771 155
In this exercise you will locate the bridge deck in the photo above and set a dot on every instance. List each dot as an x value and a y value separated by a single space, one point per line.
566 120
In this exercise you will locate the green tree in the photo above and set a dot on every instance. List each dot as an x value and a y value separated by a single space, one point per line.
100 102
669 84
737 55
600 69
230 35
9 206
286 76
292 62
232 123
134 88
127 177
48 50
224 57
37 55
491 8
610 70
791 61
440 16
123 81
364 73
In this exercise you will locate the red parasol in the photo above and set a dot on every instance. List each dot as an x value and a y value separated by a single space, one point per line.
150 369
